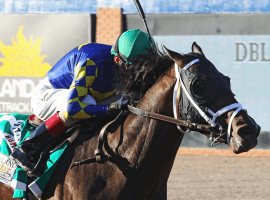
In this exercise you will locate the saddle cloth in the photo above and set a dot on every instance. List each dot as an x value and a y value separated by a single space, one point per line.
14 128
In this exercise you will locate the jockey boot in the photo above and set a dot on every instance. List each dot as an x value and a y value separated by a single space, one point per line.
28 152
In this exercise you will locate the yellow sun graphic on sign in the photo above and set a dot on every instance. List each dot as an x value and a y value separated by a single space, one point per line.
23 58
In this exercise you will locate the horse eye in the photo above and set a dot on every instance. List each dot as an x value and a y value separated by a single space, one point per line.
201 87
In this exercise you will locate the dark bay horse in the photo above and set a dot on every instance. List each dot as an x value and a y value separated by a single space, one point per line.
145 148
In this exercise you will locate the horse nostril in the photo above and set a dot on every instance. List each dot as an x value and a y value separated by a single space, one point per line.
247 133
247 136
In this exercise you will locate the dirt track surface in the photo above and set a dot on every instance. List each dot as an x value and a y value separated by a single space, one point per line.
227 177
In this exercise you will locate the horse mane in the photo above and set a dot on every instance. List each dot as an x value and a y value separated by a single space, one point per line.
136 79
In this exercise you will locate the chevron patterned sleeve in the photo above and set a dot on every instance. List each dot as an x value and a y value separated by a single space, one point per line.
84 76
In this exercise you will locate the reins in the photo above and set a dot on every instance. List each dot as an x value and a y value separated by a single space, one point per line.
189 125
100 156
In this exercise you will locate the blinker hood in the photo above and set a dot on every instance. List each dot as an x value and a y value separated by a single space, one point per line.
205 84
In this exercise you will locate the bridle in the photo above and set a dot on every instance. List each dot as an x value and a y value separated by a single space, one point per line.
214 135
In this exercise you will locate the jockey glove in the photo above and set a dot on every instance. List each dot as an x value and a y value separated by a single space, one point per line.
117 106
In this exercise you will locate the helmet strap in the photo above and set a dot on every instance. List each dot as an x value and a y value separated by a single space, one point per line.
118 52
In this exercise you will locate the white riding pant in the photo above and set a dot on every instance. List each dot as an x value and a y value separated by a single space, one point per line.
47 100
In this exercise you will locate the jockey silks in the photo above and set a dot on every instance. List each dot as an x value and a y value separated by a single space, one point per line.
63 73
86 70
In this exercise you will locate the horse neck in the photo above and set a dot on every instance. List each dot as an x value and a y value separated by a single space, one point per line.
152 144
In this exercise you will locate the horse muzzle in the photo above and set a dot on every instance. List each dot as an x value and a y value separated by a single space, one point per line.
245 139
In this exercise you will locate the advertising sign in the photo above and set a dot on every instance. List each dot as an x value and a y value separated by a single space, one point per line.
30 46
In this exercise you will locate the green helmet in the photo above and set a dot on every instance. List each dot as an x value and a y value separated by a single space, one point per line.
131 44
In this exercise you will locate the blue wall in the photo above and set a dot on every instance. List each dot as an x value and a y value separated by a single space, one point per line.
149 6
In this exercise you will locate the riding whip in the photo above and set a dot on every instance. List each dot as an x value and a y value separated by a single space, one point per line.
142 15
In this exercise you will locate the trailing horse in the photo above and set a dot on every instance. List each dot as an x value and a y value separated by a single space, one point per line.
142 149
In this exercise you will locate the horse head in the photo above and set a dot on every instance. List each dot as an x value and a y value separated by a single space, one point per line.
206 97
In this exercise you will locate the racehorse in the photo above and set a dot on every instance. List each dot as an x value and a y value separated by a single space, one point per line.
144 148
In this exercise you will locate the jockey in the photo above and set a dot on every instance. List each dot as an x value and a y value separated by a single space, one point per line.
75 89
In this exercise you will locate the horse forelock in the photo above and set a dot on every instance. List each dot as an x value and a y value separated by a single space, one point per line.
141 75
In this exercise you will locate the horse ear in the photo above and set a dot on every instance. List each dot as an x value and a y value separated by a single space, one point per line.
197 49
176 57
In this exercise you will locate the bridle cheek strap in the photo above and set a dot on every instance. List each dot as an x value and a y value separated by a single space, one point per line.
177 87
202 113
176 95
